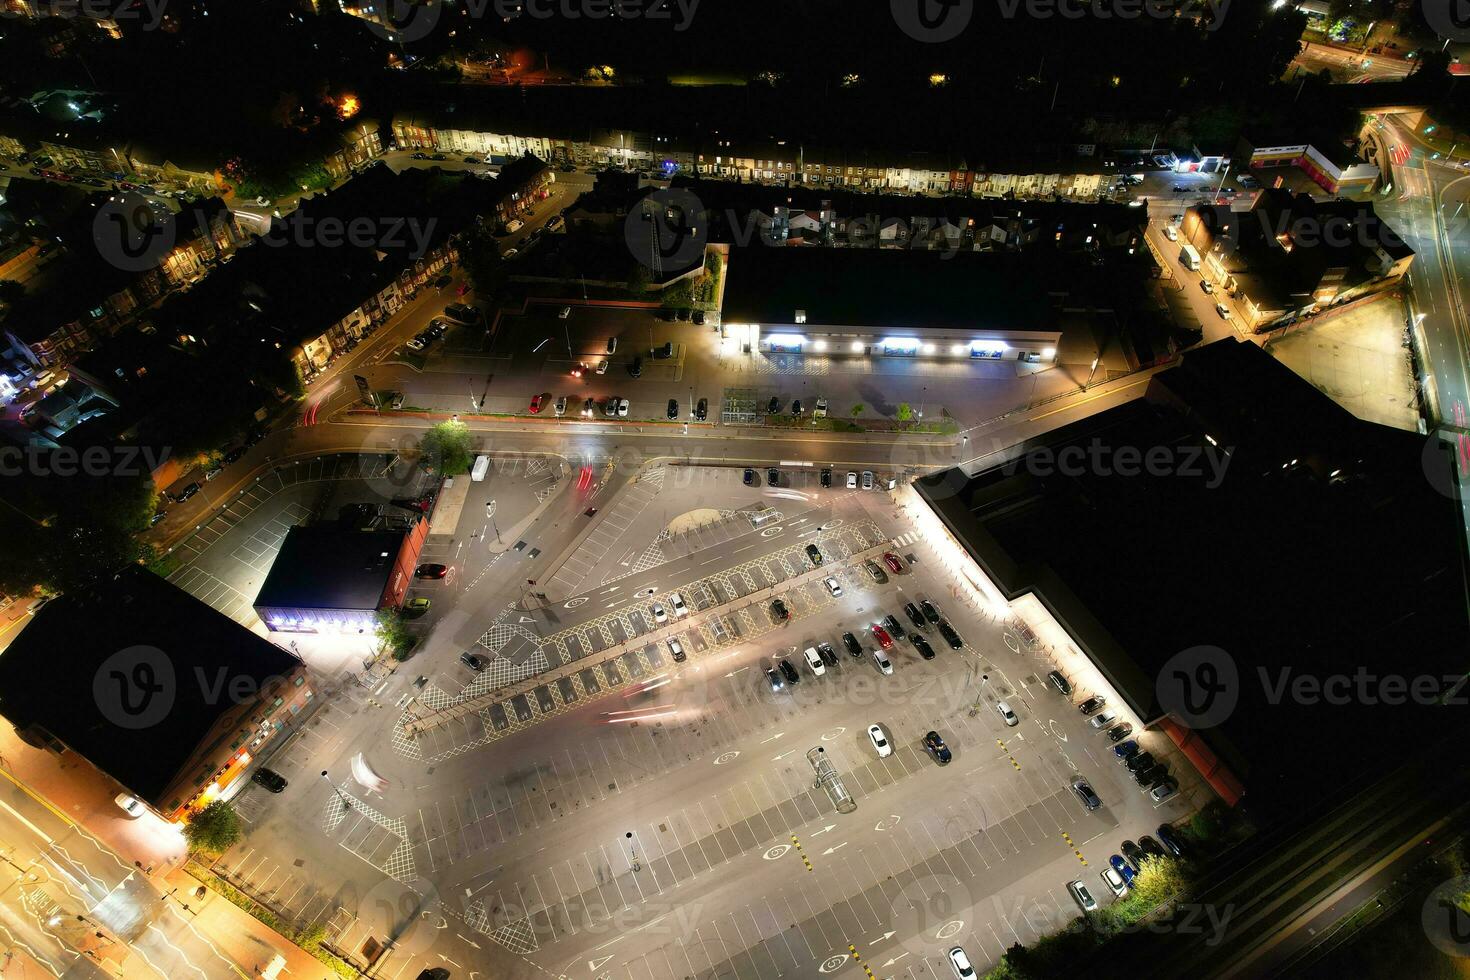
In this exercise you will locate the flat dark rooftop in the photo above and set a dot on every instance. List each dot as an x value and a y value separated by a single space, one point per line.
52 674
1273 559
898 288
326 566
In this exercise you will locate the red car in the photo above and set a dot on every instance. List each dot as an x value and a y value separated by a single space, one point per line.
881 635
431 571
536 404
891 560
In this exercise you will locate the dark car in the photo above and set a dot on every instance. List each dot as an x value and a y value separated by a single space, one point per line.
1059 682
912 612
683 312
1156 773
462 313
438 156
472 661
433 973
955 641
187 492
431 571
796 408
779 610
1140 761
255 435
894 627
922 645
773 476
828 655
664 352
419 156
1119 732
1125 750
749 479
931 611
936 747
698 316
1133 853
789 672
636 368
1084 792
814 553
851 643
701 410
156 518
827 477
773 406
268 778
1172 839
233 456
1091 704
774 679
1151 847
673 412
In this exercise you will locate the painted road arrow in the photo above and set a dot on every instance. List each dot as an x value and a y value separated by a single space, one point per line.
832 849
830 826
594 964
896 959
783 755
773 737
883 938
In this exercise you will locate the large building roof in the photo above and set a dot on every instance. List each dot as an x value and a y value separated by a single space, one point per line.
885 288
69 671
328 566
1317 546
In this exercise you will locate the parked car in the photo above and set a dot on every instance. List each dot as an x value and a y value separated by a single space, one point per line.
233 456
1173 841
1223 310
912 612
852 480
676 649
1119 732
833 587
1084 792
773 476
851 643
773 406
1113 882
960 964
1092 704
431 570
269 778
820 412
701 410
931 611
1008 716
789 672
922 645
1082 896
1164 790
779 611
828 655
874 572
673 409
472 661
749 478
894 628
129 805
462 312
636 367
1151 847
415 608
881 635
622 408
774 679
815 554
867 479
935 746
697 316
1139 761
826 477
187 492
677 601
814 661
610 407
536 404
1133 853
1207 286
588 407
1123 870
951 636
1059 682
559 407
1102 720
880 741
660 614
891 560
796 408
885 666
566 311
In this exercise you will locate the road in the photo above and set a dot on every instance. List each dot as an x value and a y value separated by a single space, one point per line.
77 908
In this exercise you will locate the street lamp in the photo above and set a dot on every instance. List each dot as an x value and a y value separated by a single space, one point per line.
631 855
346 803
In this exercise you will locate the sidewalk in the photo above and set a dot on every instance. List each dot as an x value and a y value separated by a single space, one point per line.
237 934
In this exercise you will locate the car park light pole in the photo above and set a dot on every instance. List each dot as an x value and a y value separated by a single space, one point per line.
346 803
633 857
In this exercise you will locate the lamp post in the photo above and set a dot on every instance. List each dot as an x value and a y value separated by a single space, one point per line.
632 856
346 803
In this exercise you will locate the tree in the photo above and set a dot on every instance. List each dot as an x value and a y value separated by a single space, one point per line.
214 829
857 409
447 449
905 412
393 632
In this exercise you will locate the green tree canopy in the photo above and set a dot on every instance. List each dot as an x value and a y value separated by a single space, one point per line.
447 449
214 829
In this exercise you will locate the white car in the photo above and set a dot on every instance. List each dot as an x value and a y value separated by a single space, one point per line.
820 412
960 963
566 311
1223 310
1103 719
659 615
851 480
1082 895
833 586
1170 233
885 665
1114 881
602 366
814 661
622 408
676 650
560 408
129 805
1163 791
880 743
1006 714
678 603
